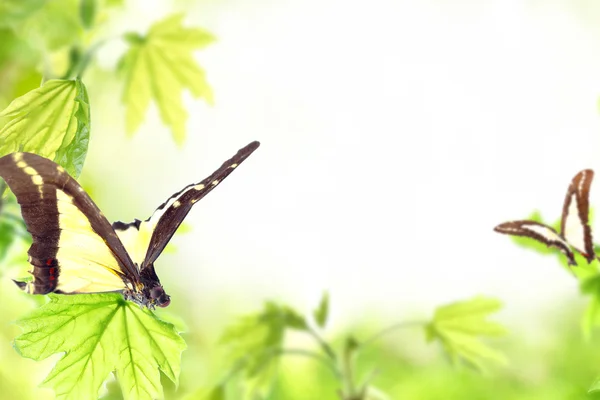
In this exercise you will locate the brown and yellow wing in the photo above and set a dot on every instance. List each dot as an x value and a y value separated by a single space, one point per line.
145 240
75 249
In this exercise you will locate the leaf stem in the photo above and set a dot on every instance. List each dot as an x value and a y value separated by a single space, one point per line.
324 345
349 373
390 329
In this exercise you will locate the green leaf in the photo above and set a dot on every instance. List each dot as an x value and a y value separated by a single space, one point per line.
99 334
160 65
256 341
48 24
322 312
14 11
459 326
87 12
52 121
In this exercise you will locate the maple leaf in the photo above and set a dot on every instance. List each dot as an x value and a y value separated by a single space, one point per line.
52 121
459 327
160 65
99 334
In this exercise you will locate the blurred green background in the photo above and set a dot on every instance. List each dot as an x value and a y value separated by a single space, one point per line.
395 135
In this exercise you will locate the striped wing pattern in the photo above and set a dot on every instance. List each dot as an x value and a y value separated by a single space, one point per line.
145 240
75 249
575 229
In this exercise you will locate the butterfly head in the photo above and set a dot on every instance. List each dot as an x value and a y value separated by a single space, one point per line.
151 291
159 297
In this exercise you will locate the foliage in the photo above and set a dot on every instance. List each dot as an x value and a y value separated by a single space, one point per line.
458 327
55 41
99 334
52 121
588 275
160 65
46 46
257 341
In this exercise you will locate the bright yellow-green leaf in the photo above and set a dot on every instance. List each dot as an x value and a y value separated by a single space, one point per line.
99 334
459 327
159 66
256 340
87 12
52 121
322 312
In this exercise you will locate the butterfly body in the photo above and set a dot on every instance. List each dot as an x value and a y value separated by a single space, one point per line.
76 250
575 232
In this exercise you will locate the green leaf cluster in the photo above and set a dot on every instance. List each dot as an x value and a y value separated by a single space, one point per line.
256 341
99 334
459 327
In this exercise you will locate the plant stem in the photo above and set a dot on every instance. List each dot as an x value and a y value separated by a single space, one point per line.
324 345
349 374
80 62
349 391
389 329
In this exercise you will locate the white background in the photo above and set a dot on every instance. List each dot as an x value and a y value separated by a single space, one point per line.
395 136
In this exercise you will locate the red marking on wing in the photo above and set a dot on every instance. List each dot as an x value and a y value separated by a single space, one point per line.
49 262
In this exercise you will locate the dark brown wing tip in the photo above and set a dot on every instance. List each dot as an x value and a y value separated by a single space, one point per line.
250 147
21 285
501 228
588 173
244 152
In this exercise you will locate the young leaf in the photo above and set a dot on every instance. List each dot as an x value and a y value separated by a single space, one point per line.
99 334
459 326
87 12
322 312
160 65
256 341
52 121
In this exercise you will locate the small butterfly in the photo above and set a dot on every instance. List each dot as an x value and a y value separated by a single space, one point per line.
575 230
76 250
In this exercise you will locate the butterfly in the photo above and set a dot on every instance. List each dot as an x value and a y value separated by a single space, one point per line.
575 230
76 250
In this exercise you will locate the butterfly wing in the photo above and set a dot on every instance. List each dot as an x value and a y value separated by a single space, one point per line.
574 225
540 232
145 240
75 249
